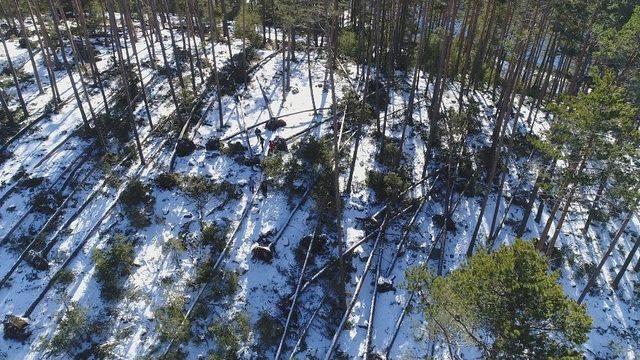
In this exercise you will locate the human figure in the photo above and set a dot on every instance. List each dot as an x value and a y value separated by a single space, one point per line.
252 185
258 133
263 188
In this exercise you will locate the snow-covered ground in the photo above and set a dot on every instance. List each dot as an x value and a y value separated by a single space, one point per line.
164 270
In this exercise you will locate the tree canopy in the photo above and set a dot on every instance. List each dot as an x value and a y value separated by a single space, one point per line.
507 304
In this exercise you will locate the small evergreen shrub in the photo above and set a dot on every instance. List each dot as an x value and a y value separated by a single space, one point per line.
45 203
269 329
73 329
135 193
214 236
196 185
172 325
229 336
234 148
64 277
112 264
387 186
138 218
391 155
167 180
273 166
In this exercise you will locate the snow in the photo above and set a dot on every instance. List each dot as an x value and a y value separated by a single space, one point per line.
162 271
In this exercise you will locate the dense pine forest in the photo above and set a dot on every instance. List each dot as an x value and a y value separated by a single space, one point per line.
271 179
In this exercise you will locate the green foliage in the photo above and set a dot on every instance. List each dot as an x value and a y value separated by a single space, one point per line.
348 44
167 180
201 188
196 186
112 264
268 329
234 148
176 244
229 336
387 186
316 152
214 236
73 329
247 28
138 218
273 166
135 193
324 193
358 112
172 325
619 49
506 304
391 155
226 282
596 126
64 277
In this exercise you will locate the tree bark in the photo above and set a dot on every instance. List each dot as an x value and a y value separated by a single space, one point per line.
626 263
594 277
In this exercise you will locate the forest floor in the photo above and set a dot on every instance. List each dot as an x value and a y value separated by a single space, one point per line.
170 259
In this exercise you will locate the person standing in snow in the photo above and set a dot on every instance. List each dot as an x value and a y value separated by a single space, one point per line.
263 188
258 133
252 185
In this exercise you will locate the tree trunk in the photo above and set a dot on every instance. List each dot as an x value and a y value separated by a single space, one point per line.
527 211
15 78
125 80
347 190
592 209
45 45
36 74
132 39
612 246
313 99
626 263
336 151
214 36
167 65
68 67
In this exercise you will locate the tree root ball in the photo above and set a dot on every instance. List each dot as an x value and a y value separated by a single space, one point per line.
16 327
275 124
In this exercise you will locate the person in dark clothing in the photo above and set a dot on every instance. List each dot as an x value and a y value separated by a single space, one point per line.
258 133
252 185
263 188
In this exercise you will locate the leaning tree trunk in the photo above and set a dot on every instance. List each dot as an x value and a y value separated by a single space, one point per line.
313 100
569 189
216 79
173 45
594 277
527 211
68 67
167 64
25 36
626 263
45 45
596 201
15 77
5 107
128 24
225 26
125 80
148 37
79 59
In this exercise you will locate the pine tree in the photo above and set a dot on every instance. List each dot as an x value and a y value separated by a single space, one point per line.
505 304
